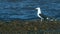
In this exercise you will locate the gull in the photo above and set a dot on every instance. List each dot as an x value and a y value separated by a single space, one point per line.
40 15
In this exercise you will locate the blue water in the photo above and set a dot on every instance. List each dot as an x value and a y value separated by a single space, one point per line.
25 9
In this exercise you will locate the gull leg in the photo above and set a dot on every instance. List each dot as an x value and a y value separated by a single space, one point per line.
41 19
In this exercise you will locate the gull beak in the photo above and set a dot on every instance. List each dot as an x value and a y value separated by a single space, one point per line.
35 8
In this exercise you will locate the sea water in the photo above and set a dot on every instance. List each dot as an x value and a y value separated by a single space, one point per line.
25 9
